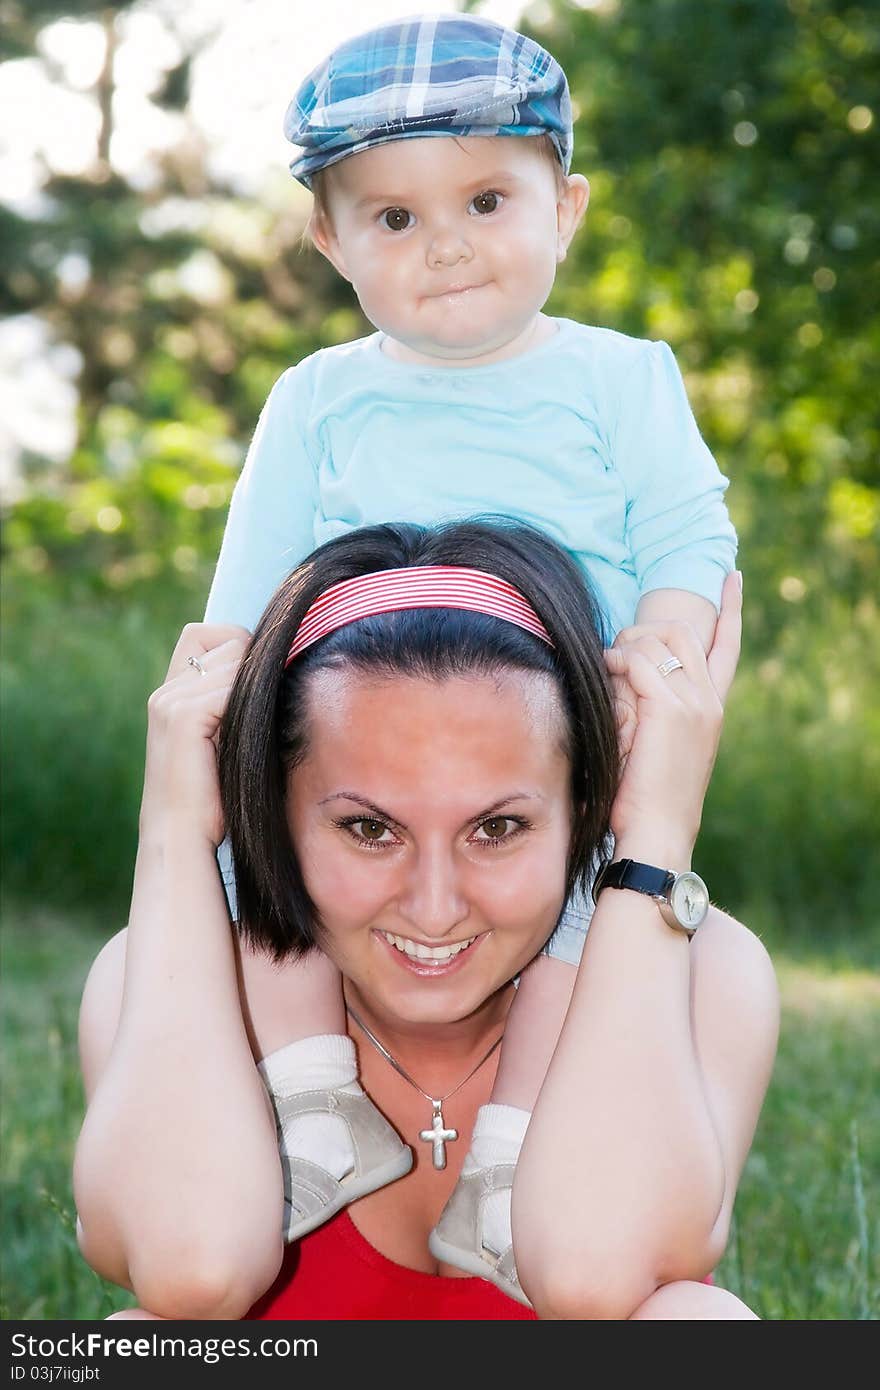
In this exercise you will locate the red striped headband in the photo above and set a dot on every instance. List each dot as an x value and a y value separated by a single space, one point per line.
427 586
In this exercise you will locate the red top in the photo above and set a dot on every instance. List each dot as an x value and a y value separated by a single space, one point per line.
334 1273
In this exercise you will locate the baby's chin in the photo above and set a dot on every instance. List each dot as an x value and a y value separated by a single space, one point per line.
461 349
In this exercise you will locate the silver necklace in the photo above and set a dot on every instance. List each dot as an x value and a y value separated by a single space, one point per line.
438 1136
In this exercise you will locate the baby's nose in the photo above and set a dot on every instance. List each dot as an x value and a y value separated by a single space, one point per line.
448 248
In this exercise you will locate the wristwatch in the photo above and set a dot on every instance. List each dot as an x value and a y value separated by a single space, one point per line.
683 899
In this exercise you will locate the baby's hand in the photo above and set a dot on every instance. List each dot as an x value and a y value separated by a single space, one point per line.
678 606
659 605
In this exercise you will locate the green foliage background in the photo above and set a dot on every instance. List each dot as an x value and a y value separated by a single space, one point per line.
732 152
733 213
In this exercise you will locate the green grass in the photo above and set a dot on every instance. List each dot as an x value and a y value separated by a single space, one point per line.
790 807
45 961
74 688
805 1242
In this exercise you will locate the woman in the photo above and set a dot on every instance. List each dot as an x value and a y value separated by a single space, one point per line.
425 778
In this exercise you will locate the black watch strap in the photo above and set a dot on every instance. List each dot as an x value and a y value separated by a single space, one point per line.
629 873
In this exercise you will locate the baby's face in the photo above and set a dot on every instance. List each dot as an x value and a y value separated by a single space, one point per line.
451 244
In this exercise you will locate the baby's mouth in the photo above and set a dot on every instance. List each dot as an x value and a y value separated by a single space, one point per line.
451 290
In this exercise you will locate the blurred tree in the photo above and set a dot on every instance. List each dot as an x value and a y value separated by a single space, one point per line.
734 213
732 150
182 301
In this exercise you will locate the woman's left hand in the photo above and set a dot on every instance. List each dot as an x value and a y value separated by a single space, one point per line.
678 720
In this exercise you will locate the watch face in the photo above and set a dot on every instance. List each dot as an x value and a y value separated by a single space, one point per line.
689 900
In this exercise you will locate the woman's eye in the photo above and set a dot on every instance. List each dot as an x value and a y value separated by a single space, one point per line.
370 829
495 828
396 219
484 203
498 830
367 832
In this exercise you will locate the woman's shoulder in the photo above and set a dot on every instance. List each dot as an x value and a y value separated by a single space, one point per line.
100 1008
735 992
735 1017
723 941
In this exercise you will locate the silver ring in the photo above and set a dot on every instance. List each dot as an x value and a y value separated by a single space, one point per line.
196 664
671 663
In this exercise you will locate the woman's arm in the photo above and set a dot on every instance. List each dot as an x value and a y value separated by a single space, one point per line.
630 1164
177 1176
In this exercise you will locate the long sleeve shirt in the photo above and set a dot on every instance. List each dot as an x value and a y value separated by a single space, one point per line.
589 435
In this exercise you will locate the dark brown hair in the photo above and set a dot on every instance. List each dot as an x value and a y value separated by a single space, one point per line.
264 731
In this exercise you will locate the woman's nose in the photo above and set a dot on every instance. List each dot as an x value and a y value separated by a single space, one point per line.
432 902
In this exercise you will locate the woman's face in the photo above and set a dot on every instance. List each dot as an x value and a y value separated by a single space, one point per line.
431 820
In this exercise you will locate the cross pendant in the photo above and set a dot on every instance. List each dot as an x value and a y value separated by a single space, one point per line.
438 1135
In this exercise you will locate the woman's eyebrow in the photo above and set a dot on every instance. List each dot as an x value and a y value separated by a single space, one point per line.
379 814
370 806
505 801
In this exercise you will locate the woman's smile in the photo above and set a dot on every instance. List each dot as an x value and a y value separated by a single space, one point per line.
432 822
430 961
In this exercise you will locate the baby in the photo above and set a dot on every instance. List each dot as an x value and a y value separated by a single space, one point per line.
438 152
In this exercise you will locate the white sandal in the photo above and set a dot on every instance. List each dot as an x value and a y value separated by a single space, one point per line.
311 1194
457 1237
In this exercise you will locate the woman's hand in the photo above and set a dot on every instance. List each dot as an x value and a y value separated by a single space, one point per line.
181 787
672 724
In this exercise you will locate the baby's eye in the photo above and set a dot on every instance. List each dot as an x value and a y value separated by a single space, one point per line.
396 219
484 203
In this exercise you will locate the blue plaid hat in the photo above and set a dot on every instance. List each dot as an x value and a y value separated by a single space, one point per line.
430 75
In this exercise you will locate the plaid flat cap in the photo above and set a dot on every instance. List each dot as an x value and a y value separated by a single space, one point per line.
450 75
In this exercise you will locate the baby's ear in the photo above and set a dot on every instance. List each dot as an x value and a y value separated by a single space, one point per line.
319 230
570 210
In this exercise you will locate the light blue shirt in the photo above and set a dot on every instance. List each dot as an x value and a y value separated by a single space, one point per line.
589 435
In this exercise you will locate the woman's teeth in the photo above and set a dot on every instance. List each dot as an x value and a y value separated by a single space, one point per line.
416 951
